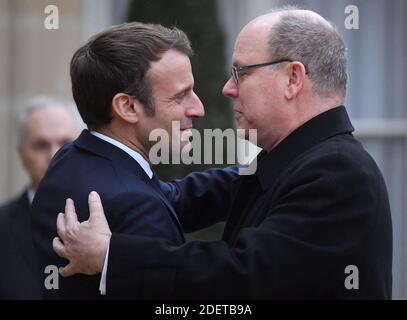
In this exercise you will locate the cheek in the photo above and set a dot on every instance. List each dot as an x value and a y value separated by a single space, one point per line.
258 102
29 158
248 98
37 157
166 124
39 162
35 164
174 119
163 119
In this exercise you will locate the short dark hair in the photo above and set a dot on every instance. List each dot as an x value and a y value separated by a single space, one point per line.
117 60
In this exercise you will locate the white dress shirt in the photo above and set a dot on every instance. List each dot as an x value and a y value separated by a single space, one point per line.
30 195
132 153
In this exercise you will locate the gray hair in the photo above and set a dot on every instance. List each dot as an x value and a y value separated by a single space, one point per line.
37 103
314 42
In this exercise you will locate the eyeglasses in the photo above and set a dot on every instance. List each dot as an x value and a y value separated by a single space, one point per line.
236 70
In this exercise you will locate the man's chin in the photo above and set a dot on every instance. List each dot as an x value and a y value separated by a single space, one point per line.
242 132
185 136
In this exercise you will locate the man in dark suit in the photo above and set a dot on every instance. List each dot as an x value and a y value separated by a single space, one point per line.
312 223
45 126
18 278
126 82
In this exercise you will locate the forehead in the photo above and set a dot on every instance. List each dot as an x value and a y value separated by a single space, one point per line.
173 69
51 122
252 44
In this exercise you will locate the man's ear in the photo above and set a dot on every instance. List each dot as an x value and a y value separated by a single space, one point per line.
296 77
126 107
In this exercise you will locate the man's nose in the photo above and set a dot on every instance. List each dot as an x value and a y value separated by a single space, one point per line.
230 89
196 108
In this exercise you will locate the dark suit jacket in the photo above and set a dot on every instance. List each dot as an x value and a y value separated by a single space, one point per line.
18 279
317 204
134 204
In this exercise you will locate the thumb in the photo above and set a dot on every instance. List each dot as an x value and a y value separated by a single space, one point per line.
67 271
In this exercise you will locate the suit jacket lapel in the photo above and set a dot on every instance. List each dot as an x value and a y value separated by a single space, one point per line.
156 186
123 161
21 229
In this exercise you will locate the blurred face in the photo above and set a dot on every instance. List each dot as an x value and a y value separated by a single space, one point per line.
46 131
258 98
172 86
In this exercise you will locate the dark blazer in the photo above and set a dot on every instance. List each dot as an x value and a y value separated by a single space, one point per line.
134 204
317 204
18 277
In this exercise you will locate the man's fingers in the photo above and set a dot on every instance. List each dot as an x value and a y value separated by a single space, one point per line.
95 207
61 230
58 247
70 215
67 271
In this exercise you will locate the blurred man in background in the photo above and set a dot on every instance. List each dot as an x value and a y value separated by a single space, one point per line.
45 125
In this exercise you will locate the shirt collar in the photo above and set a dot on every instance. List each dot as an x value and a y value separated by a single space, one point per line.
325 125
30 195
132 153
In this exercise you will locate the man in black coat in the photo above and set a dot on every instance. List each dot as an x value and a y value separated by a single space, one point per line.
312 223
18 279
45 125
